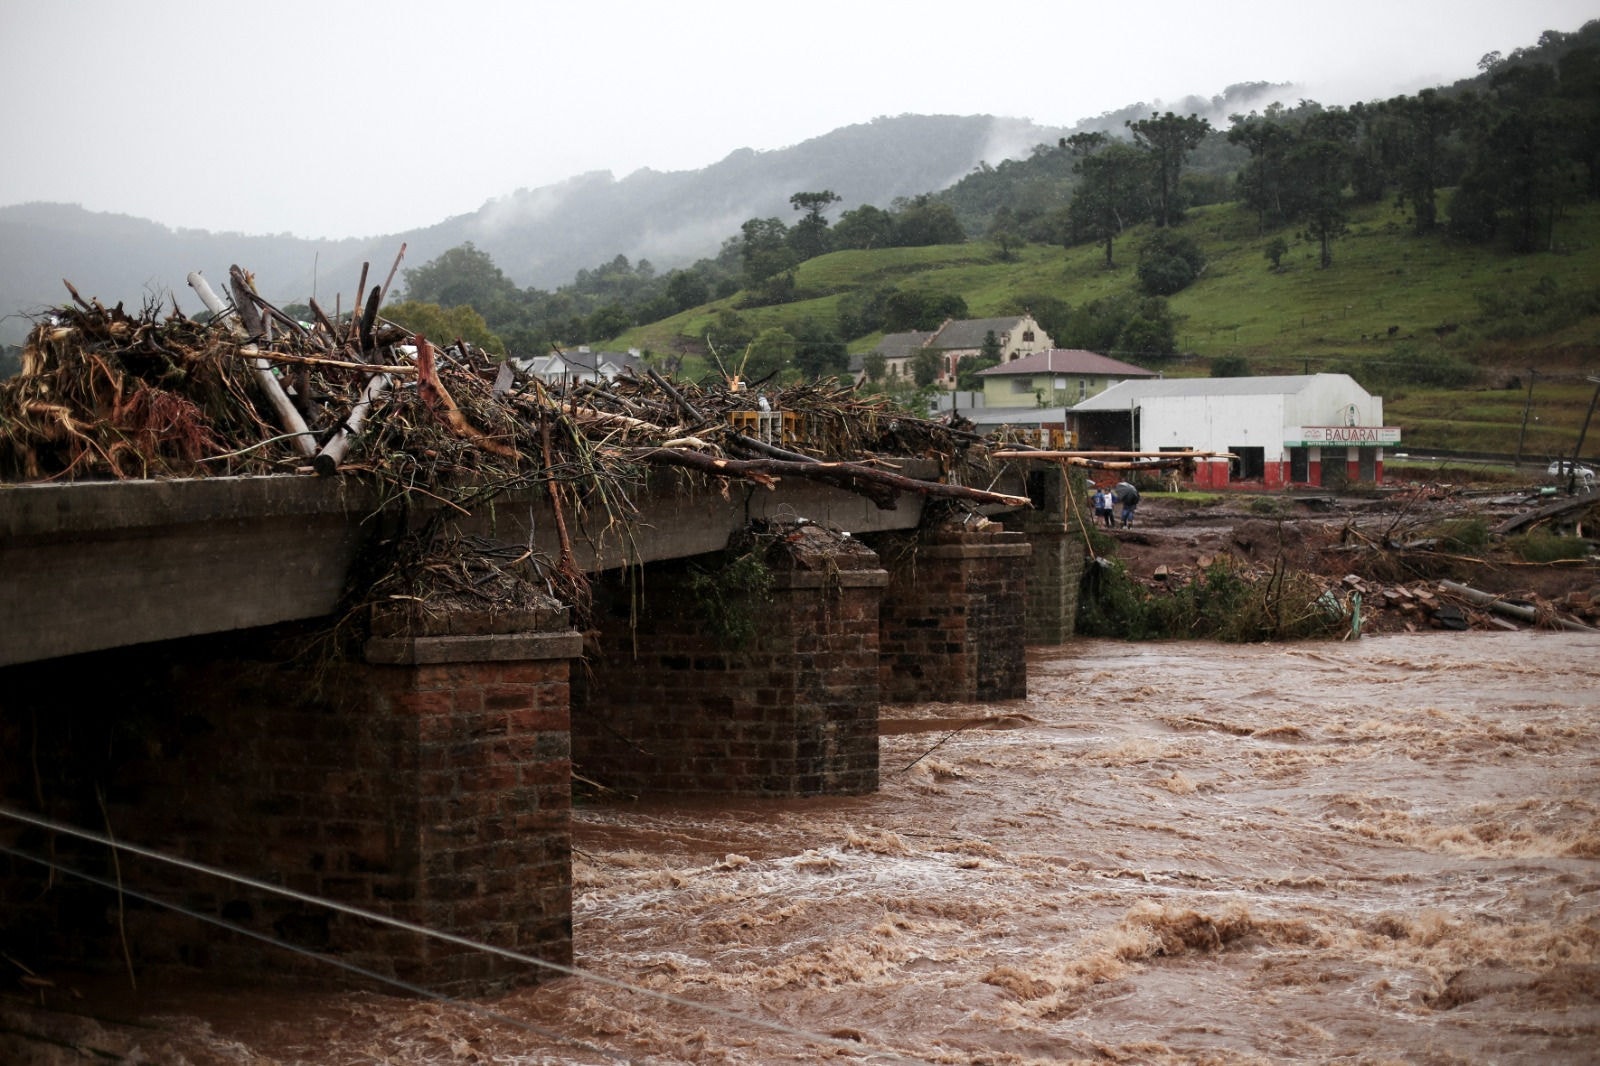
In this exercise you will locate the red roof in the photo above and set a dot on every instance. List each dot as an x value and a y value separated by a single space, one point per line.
1069 361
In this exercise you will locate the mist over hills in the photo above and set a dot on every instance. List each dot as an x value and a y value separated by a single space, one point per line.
539 237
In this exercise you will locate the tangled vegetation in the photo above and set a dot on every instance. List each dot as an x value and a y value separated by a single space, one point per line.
1224 602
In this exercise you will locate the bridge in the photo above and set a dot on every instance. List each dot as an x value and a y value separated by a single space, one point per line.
181 669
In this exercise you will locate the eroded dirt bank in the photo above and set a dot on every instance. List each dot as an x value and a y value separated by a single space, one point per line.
1372 851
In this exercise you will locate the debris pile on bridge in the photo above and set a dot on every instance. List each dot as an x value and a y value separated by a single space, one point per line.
107 393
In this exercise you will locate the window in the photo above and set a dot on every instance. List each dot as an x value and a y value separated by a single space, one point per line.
1027 336
1083 388
1251 464
1021 384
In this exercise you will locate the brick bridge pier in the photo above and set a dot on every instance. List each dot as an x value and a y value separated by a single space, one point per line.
428 778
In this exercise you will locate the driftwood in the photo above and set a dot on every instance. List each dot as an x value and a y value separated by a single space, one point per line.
438 400
332 454
249 314
684 405
744 440
880 486
1519 611
339 364
288 414
1549 510
353 332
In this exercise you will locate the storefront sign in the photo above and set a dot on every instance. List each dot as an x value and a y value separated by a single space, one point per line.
1342 436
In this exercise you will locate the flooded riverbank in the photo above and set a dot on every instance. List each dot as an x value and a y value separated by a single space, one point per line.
1376 851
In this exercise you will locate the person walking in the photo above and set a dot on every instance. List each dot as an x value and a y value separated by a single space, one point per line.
1103 504
1125 492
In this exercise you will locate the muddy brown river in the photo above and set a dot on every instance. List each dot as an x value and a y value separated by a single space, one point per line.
1380 851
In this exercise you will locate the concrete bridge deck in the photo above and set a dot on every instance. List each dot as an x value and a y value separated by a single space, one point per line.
92 565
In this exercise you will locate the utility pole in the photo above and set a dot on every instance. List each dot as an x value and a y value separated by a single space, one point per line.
1526 407
1572 470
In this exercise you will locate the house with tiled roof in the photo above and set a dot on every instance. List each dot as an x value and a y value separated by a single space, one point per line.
897 350
1015 337
1055 377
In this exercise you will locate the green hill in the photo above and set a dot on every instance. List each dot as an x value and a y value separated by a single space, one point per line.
1451 334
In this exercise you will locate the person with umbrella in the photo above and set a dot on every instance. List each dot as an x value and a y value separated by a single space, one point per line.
1129 497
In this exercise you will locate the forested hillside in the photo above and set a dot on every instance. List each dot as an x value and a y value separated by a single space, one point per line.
540 238
1445 239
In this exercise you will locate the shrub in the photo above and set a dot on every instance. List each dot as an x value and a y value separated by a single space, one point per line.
1542 547
1168 263
1222 603
1230 366
1464 535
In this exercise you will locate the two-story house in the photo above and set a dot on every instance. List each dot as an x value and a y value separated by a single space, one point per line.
1015 337
1056 377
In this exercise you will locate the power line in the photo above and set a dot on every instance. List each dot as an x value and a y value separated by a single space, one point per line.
51 825
350 967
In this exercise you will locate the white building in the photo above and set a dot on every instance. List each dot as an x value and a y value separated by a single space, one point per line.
1302 429
569 368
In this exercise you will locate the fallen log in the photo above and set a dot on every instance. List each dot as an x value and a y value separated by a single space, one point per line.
744 440
880 486
1519 611
689 409
1549 510
249 314
338 364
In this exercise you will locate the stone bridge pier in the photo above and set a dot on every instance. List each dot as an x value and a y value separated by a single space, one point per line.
429 777
428 780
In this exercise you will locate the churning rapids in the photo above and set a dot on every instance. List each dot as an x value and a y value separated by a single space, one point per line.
1365 852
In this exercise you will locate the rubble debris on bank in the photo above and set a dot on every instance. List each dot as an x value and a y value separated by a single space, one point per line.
1395 563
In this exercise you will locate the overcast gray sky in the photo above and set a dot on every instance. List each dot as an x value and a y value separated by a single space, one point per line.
326 118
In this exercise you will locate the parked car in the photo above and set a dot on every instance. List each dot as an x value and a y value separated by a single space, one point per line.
1561 468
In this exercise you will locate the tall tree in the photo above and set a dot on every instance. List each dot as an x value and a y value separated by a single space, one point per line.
462 276
686 289
769 354
1169 139
923 220
864 227
1521 169
1319 165
1579 74
764 250
809 237
1262 183
1424 124
445 325
818 351
1111 195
